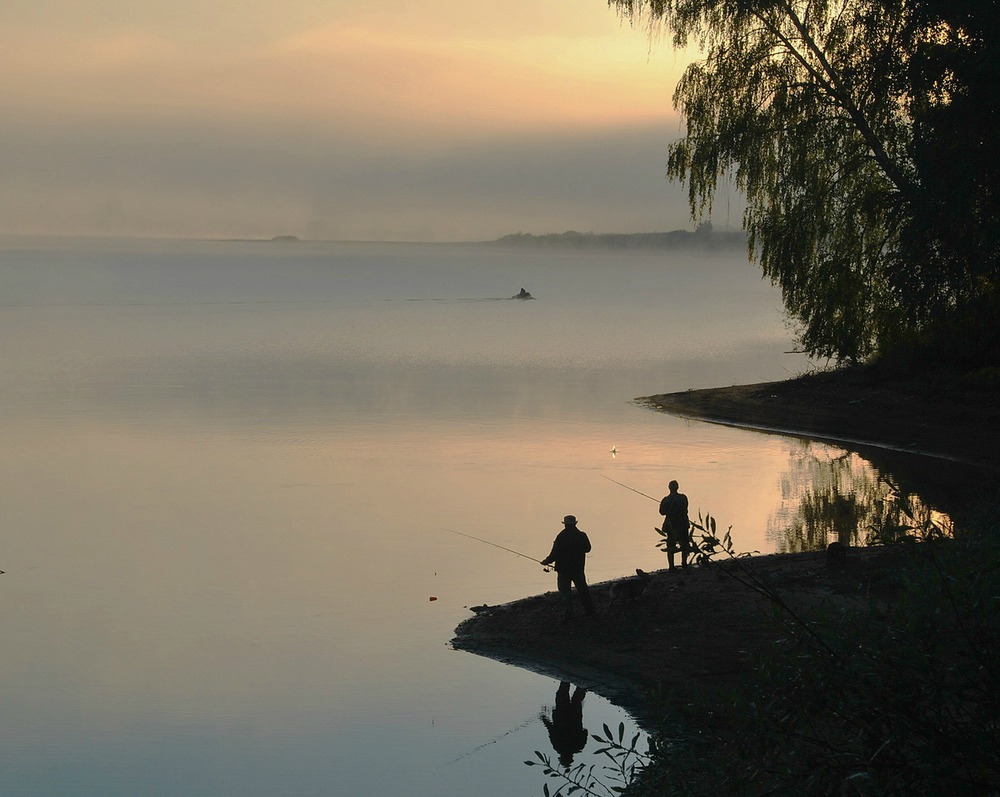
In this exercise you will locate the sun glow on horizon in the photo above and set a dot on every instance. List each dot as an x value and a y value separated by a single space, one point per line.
110 110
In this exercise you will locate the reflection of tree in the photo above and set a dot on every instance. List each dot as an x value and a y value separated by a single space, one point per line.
828 494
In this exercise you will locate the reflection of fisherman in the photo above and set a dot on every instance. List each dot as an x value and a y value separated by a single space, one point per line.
566 731
569 552
674 508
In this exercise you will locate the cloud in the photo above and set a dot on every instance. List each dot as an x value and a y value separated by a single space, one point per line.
258 180
436 120
361 77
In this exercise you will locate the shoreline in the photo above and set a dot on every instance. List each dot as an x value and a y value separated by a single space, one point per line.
656 656
938 416
688 644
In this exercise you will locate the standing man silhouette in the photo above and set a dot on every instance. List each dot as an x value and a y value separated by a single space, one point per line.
569 553
676 524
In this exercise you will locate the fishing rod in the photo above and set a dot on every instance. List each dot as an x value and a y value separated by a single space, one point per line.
696 525
631 488
501 547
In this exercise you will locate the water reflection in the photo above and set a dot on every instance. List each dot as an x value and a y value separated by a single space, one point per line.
828 495
207 452
566 730
608 769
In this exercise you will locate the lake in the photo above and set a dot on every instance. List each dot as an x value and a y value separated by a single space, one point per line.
229 469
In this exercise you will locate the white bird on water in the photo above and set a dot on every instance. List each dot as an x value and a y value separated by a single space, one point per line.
614 451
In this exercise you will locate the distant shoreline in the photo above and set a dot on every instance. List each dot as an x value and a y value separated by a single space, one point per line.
673 239
702 238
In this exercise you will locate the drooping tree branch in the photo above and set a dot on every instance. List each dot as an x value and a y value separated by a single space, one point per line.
852 128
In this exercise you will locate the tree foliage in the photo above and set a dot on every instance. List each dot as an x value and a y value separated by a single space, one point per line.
863 135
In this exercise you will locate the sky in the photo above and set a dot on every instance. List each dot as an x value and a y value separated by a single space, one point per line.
437 120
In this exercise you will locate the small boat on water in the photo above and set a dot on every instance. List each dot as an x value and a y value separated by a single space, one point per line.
522 294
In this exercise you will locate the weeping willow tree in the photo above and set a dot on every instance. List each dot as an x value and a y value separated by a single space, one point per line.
862 133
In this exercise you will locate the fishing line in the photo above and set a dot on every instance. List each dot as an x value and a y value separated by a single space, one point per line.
487 542
631 488
520 726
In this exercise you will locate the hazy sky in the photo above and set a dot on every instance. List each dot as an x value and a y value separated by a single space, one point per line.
403 120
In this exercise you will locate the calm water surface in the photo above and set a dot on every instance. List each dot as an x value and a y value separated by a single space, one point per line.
227 469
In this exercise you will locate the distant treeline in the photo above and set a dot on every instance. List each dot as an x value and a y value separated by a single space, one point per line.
702 238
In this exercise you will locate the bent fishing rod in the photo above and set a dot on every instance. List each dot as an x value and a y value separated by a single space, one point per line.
501 547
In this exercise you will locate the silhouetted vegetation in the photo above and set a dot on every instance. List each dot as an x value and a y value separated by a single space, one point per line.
893 691
704 237
899 695
863 133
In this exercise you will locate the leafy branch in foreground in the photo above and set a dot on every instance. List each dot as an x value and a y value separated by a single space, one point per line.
625 760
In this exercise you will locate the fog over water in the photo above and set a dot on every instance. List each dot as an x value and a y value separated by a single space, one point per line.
228 469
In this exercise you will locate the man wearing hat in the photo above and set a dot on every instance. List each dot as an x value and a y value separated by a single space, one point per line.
569 554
